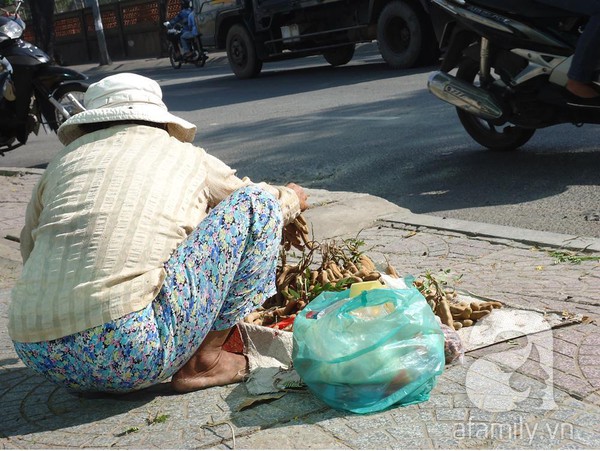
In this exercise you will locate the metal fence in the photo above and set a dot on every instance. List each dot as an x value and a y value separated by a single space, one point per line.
132 29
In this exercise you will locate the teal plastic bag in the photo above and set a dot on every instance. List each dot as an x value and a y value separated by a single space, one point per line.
364 354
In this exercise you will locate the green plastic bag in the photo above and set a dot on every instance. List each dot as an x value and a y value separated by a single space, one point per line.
364 354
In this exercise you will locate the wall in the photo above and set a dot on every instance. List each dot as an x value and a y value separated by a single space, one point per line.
132 29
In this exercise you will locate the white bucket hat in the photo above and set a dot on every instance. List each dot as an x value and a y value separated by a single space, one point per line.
122 97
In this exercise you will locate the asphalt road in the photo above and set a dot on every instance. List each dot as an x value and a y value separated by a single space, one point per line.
366 128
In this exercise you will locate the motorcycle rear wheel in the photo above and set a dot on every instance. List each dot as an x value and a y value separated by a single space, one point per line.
505 137
201 60
176 63
70 96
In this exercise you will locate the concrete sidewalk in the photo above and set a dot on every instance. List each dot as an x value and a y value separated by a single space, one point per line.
537 391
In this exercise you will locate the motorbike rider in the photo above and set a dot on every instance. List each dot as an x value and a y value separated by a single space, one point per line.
182 18
187 36
587 52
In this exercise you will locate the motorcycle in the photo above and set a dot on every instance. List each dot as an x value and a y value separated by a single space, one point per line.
512 59
198 55
42 94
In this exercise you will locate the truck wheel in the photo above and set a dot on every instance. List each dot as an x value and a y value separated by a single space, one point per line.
339 55
399 35
241 52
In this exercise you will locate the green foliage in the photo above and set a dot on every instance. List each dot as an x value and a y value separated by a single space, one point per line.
569 257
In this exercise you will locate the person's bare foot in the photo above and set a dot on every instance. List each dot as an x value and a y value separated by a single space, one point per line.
210 366
228 368
583 90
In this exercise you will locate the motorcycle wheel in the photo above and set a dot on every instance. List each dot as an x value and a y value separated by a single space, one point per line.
201 60
70 96
505 137
173 58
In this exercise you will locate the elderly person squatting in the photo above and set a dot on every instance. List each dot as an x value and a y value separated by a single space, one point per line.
141 251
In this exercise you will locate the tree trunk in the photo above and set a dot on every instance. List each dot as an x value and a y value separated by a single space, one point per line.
104 57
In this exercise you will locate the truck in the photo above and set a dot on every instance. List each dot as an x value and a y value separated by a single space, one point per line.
253 32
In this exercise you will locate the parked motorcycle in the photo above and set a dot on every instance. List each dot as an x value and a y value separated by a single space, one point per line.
176 56
512 59
43 94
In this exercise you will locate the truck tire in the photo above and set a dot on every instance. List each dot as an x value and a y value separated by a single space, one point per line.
339 55
400 35
241 52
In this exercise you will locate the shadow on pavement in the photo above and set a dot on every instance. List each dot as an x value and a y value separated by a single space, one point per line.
33 404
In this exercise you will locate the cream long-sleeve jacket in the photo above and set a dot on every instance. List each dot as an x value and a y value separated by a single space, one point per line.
107 213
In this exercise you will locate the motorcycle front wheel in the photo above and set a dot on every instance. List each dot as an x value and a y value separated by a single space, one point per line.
70 96
505 137
175 62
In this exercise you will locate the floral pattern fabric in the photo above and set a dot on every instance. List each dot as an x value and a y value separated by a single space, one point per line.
221 272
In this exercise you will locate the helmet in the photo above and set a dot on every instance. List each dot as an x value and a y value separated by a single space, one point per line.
185 4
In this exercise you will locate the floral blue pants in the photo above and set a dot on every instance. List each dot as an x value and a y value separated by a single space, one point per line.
223 270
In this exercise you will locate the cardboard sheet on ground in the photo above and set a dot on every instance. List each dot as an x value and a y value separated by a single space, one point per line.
269 351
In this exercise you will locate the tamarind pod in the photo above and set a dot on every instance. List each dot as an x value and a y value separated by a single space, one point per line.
490 305
281 277
252 317
290 307
313 276
301 304
355 279
302 227
391 271
324 278
330 275
301 220
466 314
457 309
336 270
362 273
351 267
279 311
457 325
479 314
443 311
374 275
467 322
366 263
475 306
305 237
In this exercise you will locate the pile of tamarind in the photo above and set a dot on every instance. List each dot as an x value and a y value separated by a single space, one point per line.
334 266
444 302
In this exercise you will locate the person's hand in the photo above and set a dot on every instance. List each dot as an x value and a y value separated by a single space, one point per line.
302 197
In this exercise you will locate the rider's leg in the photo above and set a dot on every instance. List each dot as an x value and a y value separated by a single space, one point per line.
585 60
587 52
185 42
